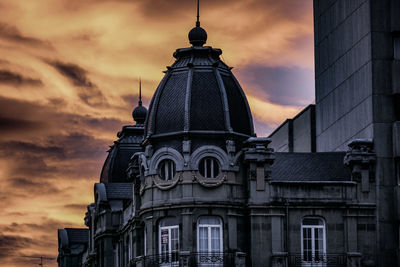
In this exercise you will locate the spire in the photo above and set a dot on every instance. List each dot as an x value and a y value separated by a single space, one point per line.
197 35
140 91
140 112
198 14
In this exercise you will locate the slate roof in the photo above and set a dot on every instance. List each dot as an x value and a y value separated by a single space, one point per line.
114 168
77 235
325 166
119 190
198 94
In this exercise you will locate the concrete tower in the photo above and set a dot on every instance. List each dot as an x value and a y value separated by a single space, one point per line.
357 72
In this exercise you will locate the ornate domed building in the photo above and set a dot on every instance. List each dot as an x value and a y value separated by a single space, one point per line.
191 185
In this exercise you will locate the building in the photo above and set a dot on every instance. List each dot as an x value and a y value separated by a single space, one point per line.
191 185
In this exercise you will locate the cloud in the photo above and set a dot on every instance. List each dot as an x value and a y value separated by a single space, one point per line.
9 125
21 118
280 85
33 185
11 33
76 74
10 244
69 87
16 79
76 207
88 92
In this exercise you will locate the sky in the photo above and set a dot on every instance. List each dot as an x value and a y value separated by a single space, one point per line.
69 72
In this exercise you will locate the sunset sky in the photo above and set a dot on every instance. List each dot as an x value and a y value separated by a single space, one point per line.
69 74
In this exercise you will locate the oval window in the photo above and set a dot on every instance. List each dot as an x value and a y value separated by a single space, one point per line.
166 169
209 167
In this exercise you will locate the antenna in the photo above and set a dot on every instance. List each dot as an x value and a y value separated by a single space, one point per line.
198 15
140 91
37 257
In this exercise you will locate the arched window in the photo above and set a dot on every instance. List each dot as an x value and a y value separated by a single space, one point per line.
168 240
209 167
166 169
313 242
209 235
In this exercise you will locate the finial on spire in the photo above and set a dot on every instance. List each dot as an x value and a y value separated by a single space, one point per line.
140 91
198 14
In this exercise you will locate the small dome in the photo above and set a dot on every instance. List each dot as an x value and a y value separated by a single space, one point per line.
139 114
197 36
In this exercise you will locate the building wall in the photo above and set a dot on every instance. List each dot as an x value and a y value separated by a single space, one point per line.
280 138
355 80
343 72
297 134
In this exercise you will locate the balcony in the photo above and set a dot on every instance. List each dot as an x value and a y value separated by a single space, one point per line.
326 260
192 259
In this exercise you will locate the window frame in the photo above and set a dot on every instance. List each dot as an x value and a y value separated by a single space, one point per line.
170 252
213 161
166 169
313 228
209 227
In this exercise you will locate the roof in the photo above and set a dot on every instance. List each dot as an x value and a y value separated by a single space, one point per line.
198 95
117 161
324 166
119 190
77 235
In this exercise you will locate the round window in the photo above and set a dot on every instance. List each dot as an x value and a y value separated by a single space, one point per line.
209 167
166 169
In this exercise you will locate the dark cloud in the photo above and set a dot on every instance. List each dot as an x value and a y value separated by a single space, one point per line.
43 225
32 185
10 125
76 74
281 85
17 147
131 100
16 79
87 91
11 33
9 244
74 155
57 102
31 119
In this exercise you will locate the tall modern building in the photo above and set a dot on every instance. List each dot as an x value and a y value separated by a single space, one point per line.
190 184
357 76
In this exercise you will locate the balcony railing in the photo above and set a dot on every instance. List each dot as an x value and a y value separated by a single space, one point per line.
191 259
325 260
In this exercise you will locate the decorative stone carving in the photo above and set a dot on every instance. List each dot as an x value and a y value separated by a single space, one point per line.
360 157
186 145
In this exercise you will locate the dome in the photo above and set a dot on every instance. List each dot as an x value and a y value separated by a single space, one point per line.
198 95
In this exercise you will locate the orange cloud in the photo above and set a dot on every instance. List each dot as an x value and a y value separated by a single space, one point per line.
69 74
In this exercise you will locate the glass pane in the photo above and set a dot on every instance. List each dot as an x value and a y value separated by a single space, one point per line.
203 239
216 169
313 221
166 169
174 244
210 220
170 221
215 239
164 245
209 167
